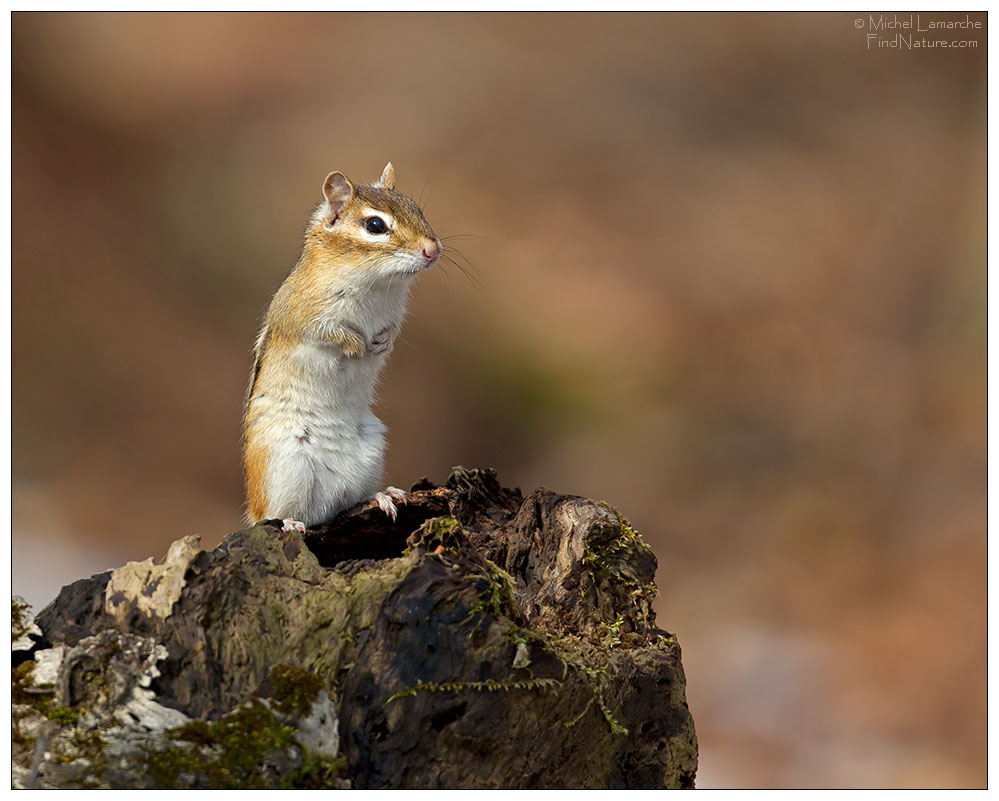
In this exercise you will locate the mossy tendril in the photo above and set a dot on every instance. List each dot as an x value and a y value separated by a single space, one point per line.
489 685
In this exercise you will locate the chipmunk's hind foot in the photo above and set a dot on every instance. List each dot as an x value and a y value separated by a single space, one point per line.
387 501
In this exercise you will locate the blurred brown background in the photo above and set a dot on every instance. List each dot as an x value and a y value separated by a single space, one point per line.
733 273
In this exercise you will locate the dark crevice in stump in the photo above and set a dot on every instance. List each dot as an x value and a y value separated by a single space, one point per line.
366 532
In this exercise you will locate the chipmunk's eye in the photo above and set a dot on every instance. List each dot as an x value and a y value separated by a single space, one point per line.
375 225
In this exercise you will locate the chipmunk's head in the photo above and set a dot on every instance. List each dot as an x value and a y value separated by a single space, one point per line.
372 228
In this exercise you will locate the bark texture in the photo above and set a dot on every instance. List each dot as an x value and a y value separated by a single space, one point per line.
482 640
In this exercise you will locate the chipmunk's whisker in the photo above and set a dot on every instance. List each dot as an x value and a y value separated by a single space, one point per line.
471 268
472 278
423 189
448 281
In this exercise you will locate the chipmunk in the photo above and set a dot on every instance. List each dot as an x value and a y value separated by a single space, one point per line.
311 445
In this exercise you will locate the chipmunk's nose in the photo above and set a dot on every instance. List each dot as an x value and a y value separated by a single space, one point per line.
433 251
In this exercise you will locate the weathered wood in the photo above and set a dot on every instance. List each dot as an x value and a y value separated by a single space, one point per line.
482 640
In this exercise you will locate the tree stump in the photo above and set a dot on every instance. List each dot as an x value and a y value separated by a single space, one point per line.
482 640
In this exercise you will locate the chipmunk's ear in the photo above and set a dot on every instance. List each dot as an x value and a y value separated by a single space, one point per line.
338 191
387 181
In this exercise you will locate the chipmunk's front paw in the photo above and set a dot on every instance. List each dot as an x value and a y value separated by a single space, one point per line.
382 341
353 345
353 352
293 525
349 340
387 500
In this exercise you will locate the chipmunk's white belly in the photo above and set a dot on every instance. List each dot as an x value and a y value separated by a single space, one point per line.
325 446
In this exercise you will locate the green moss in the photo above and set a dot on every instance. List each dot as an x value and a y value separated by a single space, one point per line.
591 662
295 689
606 555
26 705
22 743
69 744
668 644
444 533
587 656
230 753
608 635
164 767
20 680
24 691
316 773
63 715
234 752
91 747
495 593
607 542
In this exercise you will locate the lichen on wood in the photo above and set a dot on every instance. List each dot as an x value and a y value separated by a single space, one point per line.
483 639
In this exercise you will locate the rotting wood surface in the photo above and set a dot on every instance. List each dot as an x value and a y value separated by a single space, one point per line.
483 640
